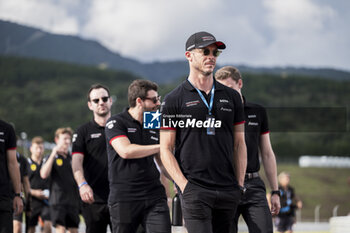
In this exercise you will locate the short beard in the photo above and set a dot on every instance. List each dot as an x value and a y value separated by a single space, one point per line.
206 73
103 114
150 109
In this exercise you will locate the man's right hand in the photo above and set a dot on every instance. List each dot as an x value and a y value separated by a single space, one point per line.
86 194
17 205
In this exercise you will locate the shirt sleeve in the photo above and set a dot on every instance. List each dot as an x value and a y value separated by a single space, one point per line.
115 129
264 121
78 142
239 109
11 142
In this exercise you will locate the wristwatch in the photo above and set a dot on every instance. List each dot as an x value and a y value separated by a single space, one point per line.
242 189
17 195
277 192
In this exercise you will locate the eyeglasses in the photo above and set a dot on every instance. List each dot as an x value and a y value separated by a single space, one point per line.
206 52
153 99
104 100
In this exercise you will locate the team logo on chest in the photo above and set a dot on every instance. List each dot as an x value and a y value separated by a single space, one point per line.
132 130
253 123
192 103
154 138
95 135
59 162
33 167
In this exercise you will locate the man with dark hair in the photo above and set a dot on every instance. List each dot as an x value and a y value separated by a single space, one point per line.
90 162
39 188
64 194
9 170
136 194
204 152
253 206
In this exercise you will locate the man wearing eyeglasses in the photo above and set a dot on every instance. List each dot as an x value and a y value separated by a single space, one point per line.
90 162
136 194
209 162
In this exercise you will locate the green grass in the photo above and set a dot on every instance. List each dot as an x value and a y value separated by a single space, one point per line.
327 187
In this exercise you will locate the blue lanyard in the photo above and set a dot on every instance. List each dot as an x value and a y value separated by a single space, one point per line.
210 106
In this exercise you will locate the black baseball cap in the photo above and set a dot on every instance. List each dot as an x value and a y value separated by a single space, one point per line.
201 40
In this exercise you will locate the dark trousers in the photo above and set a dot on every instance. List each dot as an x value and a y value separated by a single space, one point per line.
67 216
38 210
254 208
96 217
6 215
209 211
153 215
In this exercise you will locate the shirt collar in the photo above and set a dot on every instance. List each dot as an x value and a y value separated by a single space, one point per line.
187 85
127 115
95 124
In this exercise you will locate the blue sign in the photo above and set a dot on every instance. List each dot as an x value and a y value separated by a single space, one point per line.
151 120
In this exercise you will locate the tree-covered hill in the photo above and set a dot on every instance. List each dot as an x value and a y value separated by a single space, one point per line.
39 96
24 41
306 115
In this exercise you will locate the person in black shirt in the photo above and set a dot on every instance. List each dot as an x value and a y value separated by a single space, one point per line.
64 194
25 186
9 170
253 206
202 141
39 191
136 194
90 163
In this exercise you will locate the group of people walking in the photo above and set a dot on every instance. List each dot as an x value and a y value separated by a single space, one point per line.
112 173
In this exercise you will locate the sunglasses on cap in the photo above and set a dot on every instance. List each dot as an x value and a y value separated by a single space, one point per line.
153 99
206 52
104 99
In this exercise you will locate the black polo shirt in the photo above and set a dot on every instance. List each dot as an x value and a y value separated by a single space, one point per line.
36 182
23 165
131 179
256 124
23 169
206 160
63 189
7 142
90 140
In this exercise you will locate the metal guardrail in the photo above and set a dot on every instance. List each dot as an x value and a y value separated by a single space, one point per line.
340 224
324 161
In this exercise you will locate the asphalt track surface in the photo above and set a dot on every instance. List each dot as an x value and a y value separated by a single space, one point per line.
304 227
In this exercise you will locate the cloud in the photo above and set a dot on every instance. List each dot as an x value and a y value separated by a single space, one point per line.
272 33
302 32
47 15
148 29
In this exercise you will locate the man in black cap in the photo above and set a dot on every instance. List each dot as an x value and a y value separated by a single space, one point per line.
253 206
203 123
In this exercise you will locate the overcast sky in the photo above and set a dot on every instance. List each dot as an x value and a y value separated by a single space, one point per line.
308 33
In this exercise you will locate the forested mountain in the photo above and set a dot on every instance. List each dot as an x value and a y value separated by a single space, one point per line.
307 115
23 41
